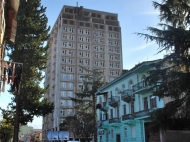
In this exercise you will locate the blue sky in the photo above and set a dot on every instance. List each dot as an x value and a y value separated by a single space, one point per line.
134 16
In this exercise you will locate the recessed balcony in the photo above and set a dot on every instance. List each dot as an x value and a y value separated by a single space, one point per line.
102 124
113 101
102 106
142 87
127 96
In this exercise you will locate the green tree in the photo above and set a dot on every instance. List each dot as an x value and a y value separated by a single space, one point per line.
173 70
6 131
30 49
86 103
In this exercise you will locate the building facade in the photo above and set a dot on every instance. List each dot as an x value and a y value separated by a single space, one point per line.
80 38
8 26
124 106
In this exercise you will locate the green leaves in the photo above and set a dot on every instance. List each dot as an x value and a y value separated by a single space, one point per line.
173 71
29 49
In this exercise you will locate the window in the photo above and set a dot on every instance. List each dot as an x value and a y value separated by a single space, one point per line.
132 107
80 78
117 110
80 86
153 102
63 102
70 85
101 26
125 132
87 24
63 84
98 16
112 18
72 23
124 109
70 76
69 103
133 132
145 103
112 134
111 113
63 94
100 138
115 28
93 14
110 28
107 17
64 76
81 24
64 68
96 26
70 94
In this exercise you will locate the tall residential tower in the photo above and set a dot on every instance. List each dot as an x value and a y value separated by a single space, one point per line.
80 37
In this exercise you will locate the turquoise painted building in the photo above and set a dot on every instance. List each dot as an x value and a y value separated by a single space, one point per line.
124 106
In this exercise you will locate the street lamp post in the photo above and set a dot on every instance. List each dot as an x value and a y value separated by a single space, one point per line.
14 72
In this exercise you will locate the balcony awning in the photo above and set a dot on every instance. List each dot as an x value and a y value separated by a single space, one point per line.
101 93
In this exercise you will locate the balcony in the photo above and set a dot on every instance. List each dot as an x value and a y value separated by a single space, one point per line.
115 122
143 113
127 117
102 106
103 124
127 96
113 101
142 87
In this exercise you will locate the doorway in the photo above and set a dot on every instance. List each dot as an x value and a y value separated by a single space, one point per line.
118 138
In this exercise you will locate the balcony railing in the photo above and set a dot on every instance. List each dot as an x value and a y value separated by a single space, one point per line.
115 120
113 101
141 86
143 113
127 117
102 124
127 95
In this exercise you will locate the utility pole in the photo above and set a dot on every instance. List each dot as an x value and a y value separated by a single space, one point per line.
16 118
16 91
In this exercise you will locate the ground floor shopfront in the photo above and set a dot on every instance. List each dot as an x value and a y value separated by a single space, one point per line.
127 131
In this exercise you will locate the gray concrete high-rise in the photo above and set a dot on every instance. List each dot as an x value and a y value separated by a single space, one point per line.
79 37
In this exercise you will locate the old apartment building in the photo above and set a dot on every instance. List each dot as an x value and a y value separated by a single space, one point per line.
79 37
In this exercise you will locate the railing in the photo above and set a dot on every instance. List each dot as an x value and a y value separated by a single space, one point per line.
143 113
113 99
115 120
127 95
127 116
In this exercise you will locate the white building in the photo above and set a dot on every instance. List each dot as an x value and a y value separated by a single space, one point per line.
80 37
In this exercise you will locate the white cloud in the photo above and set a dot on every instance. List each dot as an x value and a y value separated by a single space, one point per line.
151 13
141 47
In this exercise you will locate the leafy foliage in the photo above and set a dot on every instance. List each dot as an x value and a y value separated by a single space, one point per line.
6 131
30 49
86 105
173 70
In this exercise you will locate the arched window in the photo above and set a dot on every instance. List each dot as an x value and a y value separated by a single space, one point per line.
143 80
130 85
123 87
117 91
